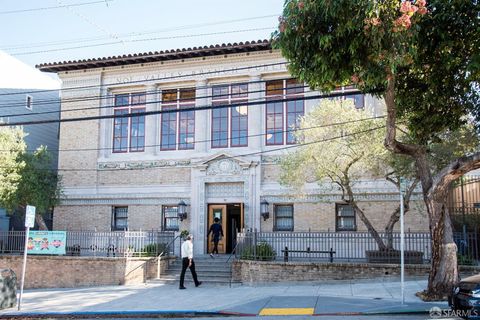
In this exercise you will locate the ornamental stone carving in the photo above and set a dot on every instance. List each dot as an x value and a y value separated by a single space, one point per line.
143 164
224 167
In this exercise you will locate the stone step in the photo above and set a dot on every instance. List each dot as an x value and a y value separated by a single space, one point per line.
203 266
201 277
189 282
203 271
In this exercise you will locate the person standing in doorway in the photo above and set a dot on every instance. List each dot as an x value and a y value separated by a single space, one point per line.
187 262
216 231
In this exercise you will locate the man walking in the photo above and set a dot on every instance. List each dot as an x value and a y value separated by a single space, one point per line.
216 231
187 262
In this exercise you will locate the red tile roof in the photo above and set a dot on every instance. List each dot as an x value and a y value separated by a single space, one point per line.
174 54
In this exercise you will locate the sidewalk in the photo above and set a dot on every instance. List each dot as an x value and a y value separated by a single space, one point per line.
341 297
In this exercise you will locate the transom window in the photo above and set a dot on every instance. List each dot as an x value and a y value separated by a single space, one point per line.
233 133
170 218
345 217
178 128
283 220
129 132
119 218
282 118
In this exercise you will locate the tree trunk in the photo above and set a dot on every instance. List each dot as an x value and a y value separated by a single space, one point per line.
370 228
444 271
41 223
395 216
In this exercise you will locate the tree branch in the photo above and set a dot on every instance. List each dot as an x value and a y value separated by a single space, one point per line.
451 172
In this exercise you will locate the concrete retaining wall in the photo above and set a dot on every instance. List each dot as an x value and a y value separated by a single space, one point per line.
69 272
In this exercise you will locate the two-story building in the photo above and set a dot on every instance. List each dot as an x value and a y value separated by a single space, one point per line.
131 173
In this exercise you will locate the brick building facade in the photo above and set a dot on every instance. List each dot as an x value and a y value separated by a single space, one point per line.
131 173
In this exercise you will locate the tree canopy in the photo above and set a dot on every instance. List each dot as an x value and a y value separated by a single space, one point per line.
432 50
26 178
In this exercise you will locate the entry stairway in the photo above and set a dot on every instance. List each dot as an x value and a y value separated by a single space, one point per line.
210 271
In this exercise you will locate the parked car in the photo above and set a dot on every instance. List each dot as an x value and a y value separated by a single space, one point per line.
465 298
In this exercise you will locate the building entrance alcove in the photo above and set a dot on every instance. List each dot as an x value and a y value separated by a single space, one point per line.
230 216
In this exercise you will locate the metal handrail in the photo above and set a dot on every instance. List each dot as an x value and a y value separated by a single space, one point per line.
162 253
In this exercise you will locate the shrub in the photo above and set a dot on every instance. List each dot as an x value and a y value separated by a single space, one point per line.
264 252
465 260
154 249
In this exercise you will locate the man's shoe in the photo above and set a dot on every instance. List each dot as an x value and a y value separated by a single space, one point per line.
198 284
181 288
211 255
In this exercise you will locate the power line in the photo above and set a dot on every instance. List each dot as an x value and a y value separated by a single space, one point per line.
145 103
133 34
187 109
55 7
148 80
231 157
212 140
109 96
118 41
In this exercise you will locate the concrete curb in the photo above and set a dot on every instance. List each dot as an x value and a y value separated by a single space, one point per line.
181 314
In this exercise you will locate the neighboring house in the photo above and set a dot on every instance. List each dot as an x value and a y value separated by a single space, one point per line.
29 95
132 173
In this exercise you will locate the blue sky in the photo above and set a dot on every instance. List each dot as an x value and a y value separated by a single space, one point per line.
94 26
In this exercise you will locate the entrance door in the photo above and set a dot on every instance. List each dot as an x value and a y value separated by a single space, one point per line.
218 211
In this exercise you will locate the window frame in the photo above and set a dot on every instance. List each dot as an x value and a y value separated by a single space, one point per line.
228 99
275 226
337 207
129 107
178 104
164 218
285 94
115 218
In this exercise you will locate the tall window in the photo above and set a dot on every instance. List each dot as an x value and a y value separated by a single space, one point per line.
170 218
345 217
283 220
119 218
129 132
233 133
282 117
185 129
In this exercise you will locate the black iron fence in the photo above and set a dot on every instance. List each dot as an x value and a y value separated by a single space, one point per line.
346 247
102 244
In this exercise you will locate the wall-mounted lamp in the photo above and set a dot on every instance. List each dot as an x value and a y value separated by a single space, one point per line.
264 209
182 210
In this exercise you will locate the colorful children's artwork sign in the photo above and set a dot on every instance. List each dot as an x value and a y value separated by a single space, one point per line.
46 242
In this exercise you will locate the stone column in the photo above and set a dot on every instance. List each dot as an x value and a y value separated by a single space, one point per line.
202 123
106 125
255 114
151 122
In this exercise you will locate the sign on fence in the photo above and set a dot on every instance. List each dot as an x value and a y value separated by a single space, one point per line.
46 242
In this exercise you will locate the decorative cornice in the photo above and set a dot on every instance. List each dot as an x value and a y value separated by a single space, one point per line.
143 164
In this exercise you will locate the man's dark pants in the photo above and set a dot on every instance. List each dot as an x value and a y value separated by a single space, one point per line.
185 262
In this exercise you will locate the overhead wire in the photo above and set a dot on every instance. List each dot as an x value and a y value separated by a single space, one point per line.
119 41
185 109
145 103
212 140
133 34
55 7
232 157
116 84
